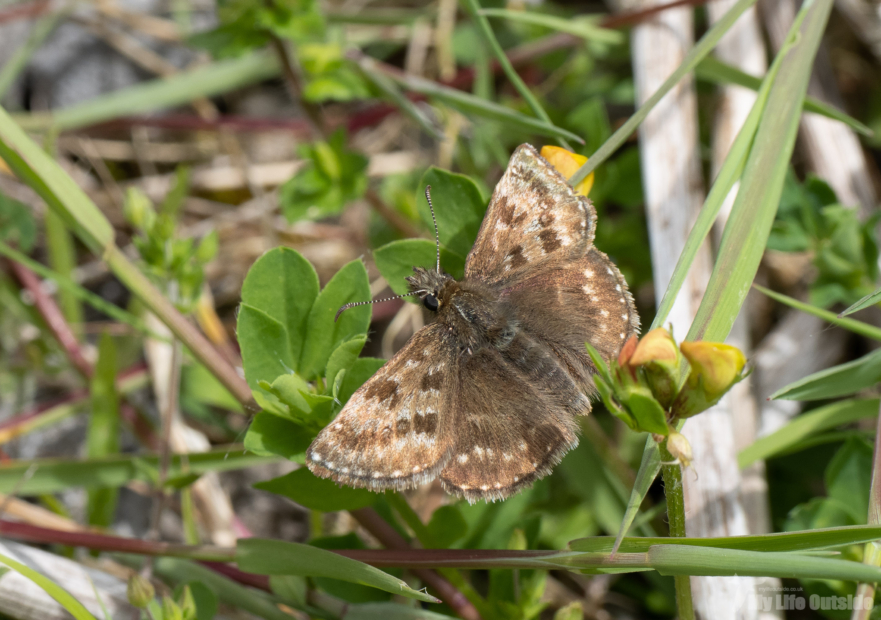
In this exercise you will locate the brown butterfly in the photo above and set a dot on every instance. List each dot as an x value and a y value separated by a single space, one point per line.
487 395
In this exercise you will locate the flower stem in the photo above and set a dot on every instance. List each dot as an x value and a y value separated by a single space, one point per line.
676 518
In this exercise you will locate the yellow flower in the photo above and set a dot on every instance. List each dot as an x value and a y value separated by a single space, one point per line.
715 368
567 163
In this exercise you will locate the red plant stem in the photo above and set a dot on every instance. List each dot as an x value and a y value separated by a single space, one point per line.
405 557
389 537
57 323
55 320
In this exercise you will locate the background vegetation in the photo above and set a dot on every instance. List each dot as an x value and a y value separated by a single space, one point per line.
189 191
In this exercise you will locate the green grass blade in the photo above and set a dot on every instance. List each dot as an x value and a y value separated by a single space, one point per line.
580 27
274 557
749 224
34 167
102 439
207 81
805 540
869 300
472 104
54 475
852 325
178 571
691 60
486 30
64 598
841 380
731 171
61 255
805 425
78 292
707 561
391 90
714 70
746 233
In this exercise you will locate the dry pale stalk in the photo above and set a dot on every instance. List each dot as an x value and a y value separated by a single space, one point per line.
673 186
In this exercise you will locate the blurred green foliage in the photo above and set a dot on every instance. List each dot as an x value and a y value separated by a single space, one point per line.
843 249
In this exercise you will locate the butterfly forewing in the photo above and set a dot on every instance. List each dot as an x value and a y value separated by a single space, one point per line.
396 431
534 215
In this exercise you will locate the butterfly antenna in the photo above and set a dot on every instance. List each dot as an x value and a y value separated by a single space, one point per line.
433 219
365 303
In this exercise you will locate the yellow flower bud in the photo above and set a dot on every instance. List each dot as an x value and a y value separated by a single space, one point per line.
567 163
715 368
658 357
139 591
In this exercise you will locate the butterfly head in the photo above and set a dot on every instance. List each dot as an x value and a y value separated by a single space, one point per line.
432 287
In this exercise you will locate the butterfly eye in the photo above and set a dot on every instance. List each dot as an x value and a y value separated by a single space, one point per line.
430 302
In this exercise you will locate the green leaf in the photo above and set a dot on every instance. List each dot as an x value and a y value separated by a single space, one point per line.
458 206
234 595
849 476
869 300
806 425
290 390
17 225
446 526
73 606
648 412
205 599
361 371
271 435
103 434
333 176
284 286
323 335
396 260
315 493
275 557
841 380
266 351
343 357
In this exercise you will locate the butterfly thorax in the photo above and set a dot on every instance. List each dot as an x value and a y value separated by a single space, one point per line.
470 309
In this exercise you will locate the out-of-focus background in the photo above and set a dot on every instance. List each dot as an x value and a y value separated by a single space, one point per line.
208 133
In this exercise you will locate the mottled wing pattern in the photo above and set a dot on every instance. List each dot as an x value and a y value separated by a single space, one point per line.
397 431
573 302
534 215
515 413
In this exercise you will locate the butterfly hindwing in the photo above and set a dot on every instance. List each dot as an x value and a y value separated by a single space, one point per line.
510 432
396 431
534 215
570 303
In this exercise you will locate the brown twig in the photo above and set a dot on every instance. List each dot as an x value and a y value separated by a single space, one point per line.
390 215
389 537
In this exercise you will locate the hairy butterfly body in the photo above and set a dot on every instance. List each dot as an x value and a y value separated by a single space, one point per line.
487 396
